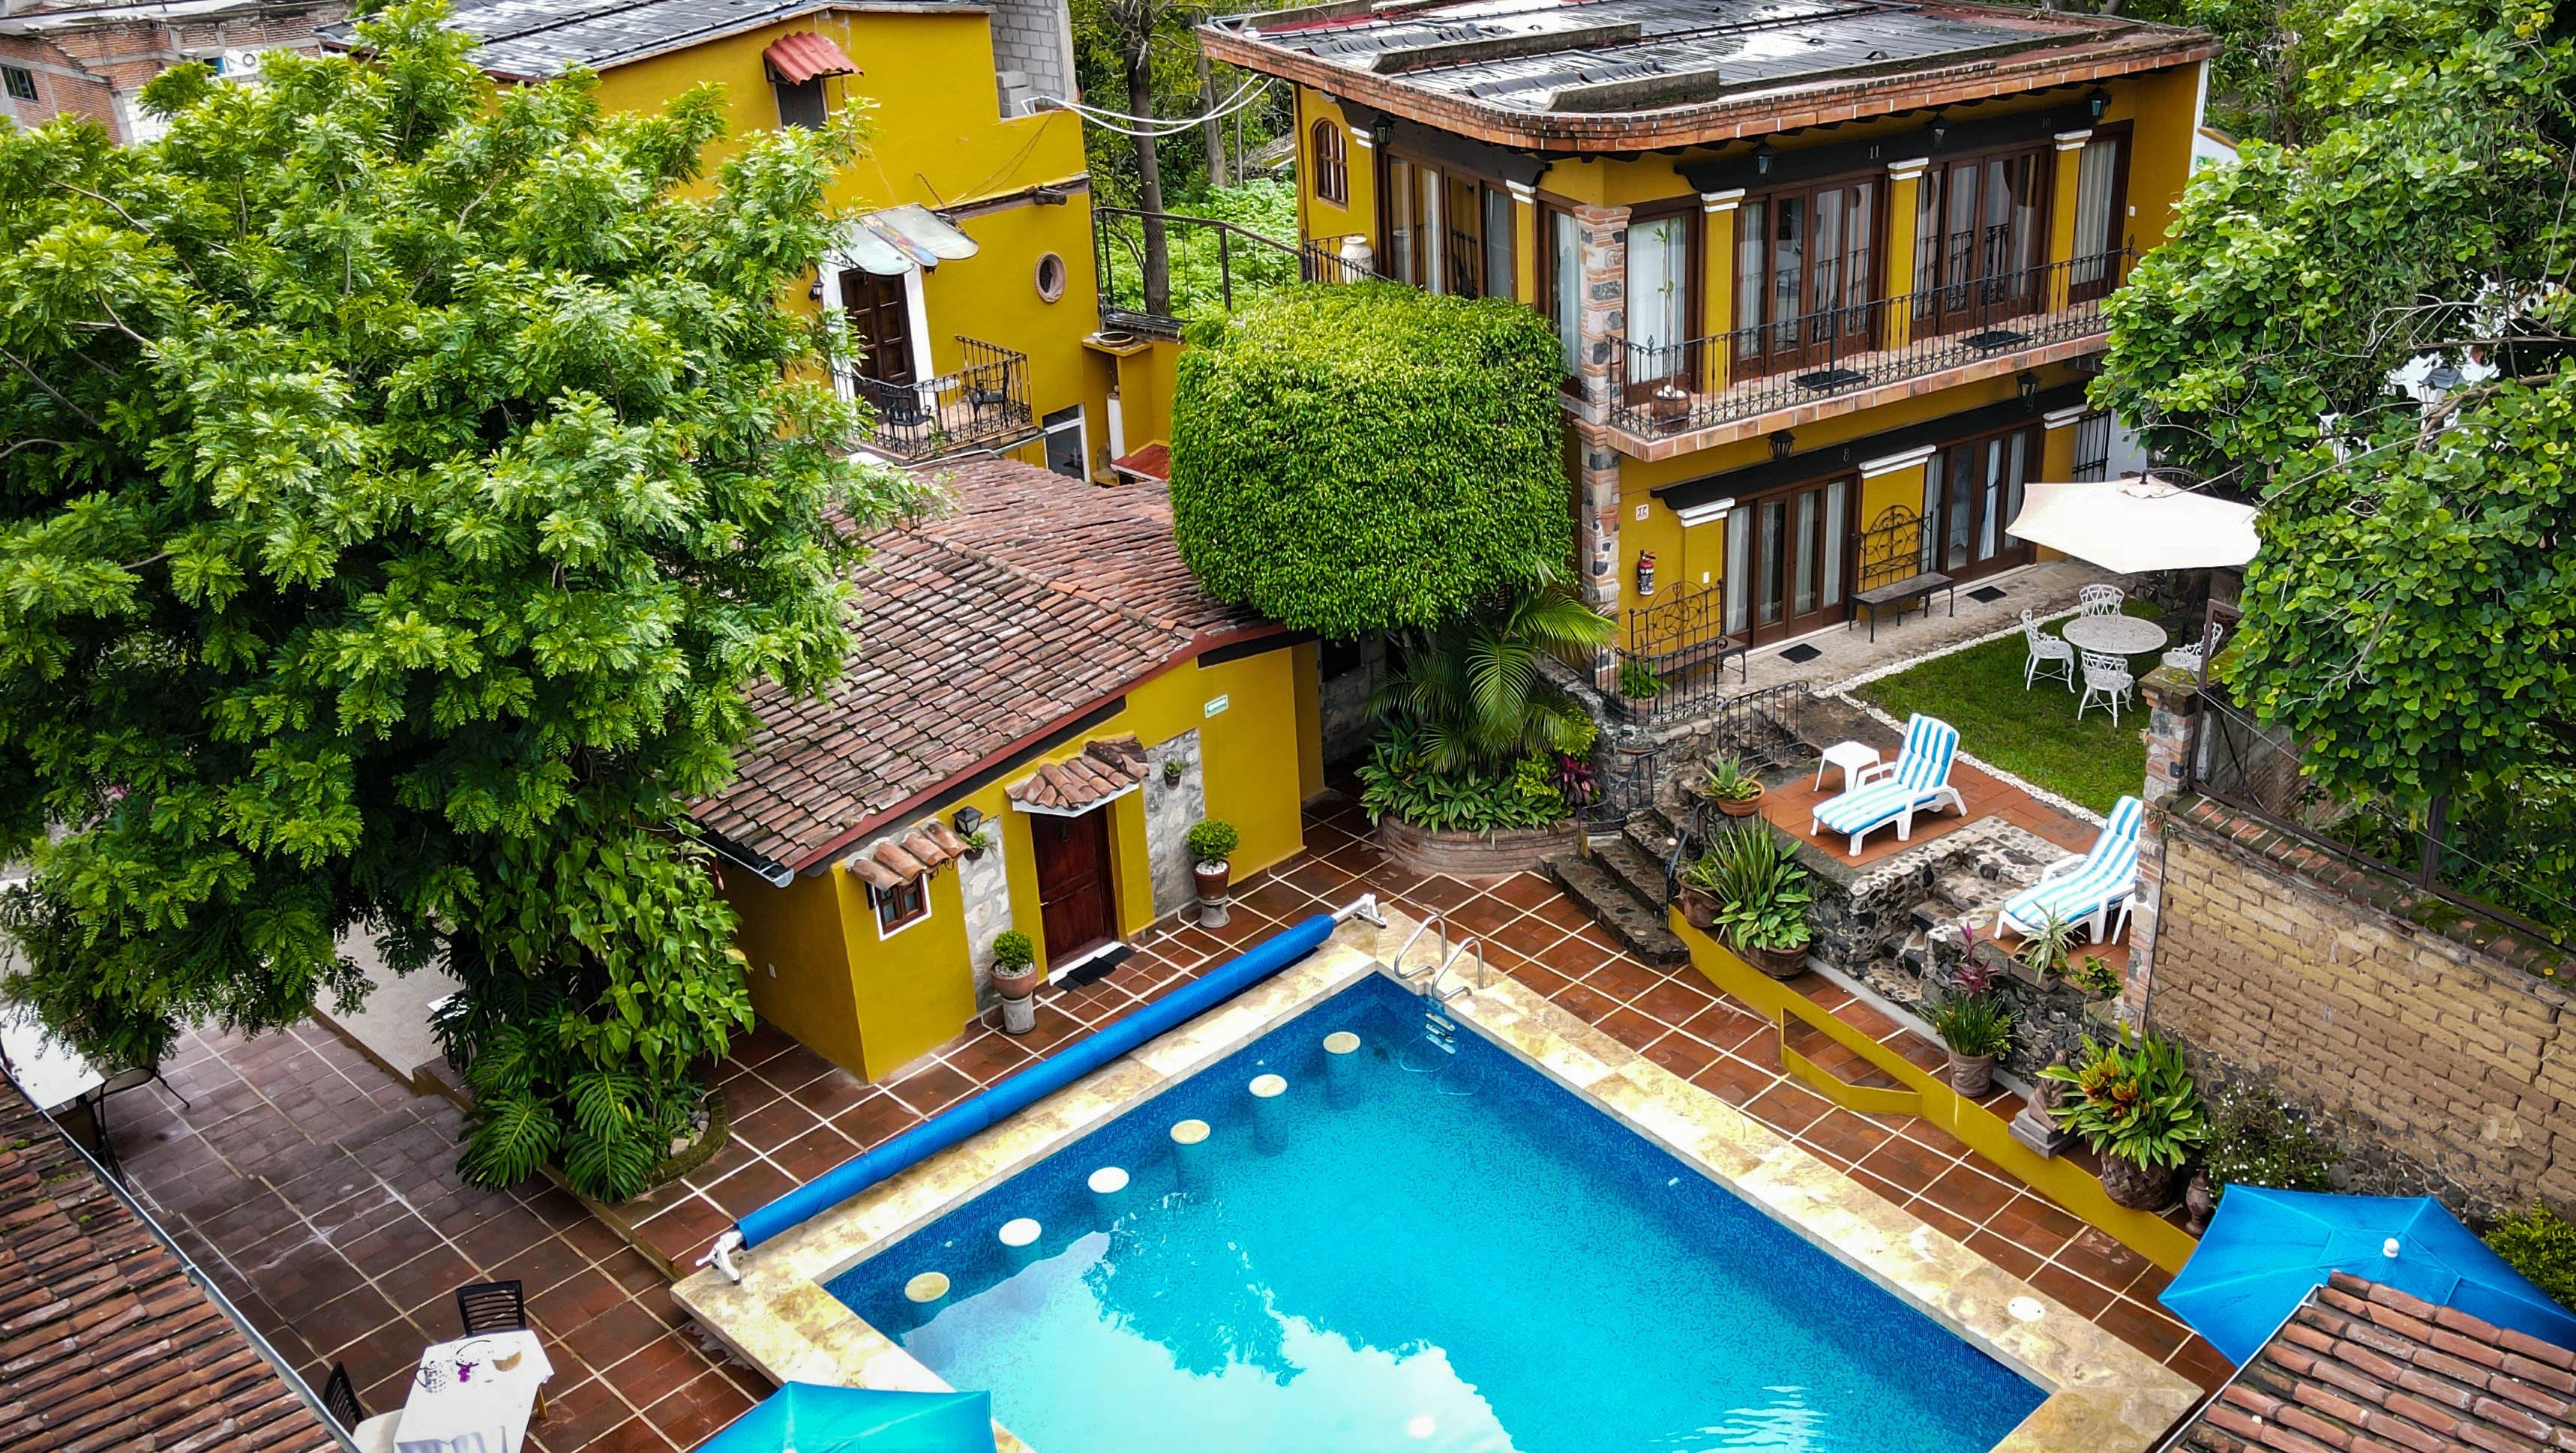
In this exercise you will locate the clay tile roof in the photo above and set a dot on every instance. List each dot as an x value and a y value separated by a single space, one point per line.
1153 462
799 58
1102 770
890 856
104 1340
1031 600
2367 1368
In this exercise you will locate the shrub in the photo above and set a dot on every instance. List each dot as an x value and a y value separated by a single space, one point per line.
1355 458
1761 891
1974 1025
2094 975
1212 841
1397 781
1729 780
2135 1099
1012 951
2255 1140
1470 692
2542 1246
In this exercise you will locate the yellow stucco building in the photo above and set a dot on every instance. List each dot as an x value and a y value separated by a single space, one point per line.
966 271
1040 705
1828 277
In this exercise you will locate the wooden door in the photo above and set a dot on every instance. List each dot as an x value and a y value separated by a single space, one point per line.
1805 275
1983 243
1797 550
1074 887
880 324
1970 495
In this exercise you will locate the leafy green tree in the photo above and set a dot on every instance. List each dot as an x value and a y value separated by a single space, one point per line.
402 479
2369 335
1358 458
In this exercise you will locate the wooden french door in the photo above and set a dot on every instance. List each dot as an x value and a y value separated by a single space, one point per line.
1982 248
1075 892
1788 558
1971 494
880 323
1804 277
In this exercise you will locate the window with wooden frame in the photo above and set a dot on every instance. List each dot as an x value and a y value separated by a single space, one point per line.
1563 281
1807 272
801 103
1972 491
901 906
2101 213
1447 231
1981 239
1332 167
1661 300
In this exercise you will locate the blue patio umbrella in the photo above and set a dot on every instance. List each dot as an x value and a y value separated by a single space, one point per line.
809 1417
2266 1249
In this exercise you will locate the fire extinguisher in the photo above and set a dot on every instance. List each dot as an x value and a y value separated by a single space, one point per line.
1645 572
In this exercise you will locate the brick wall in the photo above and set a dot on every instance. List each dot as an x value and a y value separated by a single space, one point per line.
2440 1065
1030 36
93 67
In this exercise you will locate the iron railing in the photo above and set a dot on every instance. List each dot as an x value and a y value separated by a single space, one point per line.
1671 657
1214 267
978 405
1674 388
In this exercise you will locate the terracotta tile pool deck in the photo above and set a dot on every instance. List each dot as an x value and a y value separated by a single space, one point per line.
322 1193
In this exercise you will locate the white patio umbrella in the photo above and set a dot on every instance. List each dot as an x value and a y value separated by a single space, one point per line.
2135 524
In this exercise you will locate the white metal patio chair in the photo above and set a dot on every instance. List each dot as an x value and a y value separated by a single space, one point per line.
2045 650
2108 678
2099 600
2190 658
2093 889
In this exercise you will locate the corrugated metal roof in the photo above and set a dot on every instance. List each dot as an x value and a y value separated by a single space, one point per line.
539 38
799 58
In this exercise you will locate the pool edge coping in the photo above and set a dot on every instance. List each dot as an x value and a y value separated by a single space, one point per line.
2102 1395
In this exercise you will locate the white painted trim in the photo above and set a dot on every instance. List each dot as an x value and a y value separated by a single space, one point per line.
1523 193
1081 425
1890 463
2060 418
1363 140
929 910
1725 201
1908 169
2073 140
1702 514
1083 810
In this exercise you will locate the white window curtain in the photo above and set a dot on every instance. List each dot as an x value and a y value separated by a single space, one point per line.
1565 246
1658 295
2095 169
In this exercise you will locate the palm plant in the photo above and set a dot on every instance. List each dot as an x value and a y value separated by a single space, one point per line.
1469 691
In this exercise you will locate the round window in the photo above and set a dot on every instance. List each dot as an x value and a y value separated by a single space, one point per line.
1050 277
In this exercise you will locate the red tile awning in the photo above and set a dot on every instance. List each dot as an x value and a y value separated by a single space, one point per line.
1108 767
797 59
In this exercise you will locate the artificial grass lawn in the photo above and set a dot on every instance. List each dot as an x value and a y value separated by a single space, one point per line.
2032 735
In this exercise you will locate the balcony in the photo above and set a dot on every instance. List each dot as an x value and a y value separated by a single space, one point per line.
1673 398
984 404
1213 268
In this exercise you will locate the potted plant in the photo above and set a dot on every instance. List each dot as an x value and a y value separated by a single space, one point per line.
2043 953
1732 786
1015 980
1762 899
1638 681
1976 1028
1699 892
2135 1104
1210 844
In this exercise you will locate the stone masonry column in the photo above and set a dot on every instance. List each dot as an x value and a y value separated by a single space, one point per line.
1601 329
2173 708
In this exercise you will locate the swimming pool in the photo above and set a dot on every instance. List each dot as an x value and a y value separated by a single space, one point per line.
1411 1249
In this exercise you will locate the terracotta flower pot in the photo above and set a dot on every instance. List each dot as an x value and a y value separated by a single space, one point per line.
1972 1075
1698 909
1779 963
2199 1202
1740 806
1211 879
2138 1187
1016 983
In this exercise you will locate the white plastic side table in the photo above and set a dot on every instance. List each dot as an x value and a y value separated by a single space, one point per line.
1850 756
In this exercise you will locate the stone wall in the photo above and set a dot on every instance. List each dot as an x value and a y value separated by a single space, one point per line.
984 885
1174 803
2439 1065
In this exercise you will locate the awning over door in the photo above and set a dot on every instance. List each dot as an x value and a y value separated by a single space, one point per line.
796 59
1108 768
897 240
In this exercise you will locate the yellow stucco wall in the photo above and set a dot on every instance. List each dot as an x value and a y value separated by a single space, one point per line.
938 139
872 1003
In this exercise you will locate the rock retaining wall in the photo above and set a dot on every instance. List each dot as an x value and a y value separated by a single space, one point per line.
1473 854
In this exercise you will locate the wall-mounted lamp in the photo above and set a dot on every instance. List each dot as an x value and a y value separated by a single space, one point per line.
2097 101
814 290
2029 386
1762 159
966 820
1782 444
1940 127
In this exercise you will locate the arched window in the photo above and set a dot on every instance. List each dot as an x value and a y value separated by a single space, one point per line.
1332 166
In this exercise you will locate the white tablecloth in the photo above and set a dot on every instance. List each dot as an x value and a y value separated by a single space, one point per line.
43 1066
483 1410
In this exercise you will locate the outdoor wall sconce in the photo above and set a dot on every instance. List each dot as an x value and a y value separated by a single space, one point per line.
1782 443
1762 158
2097 101
1940 127
966 820
2029 383
814 290
1645 572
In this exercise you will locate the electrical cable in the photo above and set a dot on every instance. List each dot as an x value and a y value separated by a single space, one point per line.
1244 97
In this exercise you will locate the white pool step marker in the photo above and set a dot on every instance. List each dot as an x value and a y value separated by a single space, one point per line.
1109 1180
1189 1132
2026 1309
1189 1141
1019 1239
1268 1087
1341 1065
926 1288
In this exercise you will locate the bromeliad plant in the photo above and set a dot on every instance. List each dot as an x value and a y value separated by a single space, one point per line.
2134 1100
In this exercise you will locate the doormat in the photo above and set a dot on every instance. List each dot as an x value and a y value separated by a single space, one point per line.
1092 971
1986 595
1800 655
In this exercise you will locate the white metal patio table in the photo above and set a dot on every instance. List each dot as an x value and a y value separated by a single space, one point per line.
2114 635
462 1402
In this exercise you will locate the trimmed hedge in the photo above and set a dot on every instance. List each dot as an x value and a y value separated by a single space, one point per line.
1350 459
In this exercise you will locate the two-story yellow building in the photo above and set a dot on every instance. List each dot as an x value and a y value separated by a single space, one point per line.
1828 272
966 270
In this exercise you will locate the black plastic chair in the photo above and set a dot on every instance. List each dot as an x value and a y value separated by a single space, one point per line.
492 1306
342 1398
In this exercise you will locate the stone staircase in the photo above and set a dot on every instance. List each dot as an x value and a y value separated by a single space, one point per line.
1618 878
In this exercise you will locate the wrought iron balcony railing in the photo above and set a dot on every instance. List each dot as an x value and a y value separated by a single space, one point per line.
1214 267
1659 390
979 404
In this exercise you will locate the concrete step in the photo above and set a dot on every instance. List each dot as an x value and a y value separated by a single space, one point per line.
1624 914
1638 871
1652 833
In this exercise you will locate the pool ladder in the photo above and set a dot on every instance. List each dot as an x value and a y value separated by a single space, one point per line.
1438 1029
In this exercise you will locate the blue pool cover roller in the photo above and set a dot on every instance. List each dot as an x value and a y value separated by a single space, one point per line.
1036 1082
809 1417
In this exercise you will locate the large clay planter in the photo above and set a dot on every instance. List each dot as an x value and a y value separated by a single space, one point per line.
1474 854
1779 963
2138 1187
1698 909
1212 879
1739 806
1017 989
1972 1075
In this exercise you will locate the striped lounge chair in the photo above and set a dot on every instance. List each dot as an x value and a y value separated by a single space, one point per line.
1917 781
2093 889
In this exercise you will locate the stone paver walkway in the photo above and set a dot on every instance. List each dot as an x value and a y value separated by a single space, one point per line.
1845 652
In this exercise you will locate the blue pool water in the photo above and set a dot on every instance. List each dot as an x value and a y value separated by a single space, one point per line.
1414 1252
